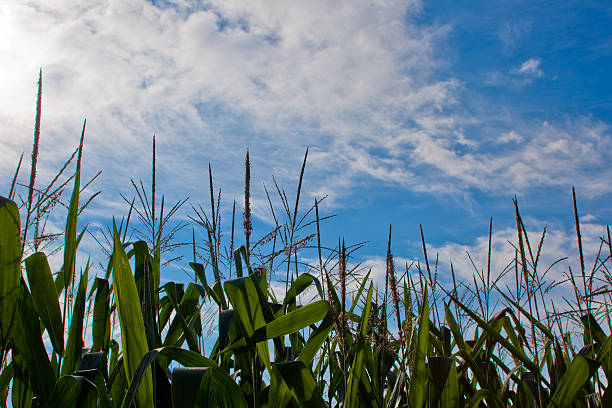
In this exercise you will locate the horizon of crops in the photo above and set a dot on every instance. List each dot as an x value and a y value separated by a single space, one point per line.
418 343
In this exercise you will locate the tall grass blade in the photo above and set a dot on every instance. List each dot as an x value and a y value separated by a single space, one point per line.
12 190
71 221
418 373
10 270
357 372
133 338
74 343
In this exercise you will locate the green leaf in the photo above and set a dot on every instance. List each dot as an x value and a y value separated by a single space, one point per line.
301 383
10 260
133 336
191 387
532 319
243 295
450 393
29 344
592 329
418 378
357 373
300 285
604 356
70 235
439 372
187 312
517 353
70 391
101 318
41 284
316 339
579 371
225 391
74 344
5 379
21 392
293 321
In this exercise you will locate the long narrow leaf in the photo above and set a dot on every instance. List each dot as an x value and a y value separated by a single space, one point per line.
10 259
74 344
41 284
133 336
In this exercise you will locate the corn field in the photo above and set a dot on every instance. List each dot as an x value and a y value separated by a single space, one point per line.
331 339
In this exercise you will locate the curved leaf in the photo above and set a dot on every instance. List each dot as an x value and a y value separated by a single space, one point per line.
226 391
41 284
578 373
70 391
300 285
301 383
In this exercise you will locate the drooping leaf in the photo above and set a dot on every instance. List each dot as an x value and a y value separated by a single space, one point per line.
41 284
191 387
70 391
300 285
301 383
226 392
578 373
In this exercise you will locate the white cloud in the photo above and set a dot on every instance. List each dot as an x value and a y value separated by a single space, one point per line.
511 136
212 79
352 80
531 67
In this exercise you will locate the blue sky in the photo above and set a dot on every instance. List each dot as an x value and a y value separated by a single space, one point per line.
415 112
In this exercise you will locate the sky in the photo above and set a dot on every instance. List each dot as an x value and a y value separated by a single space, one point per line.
432 113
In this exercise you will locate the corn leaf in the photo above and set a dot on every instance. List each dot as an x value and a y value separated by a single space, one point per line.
579 371
41 284
101 316
70 235
418 378
28 342
301 383
133 336
74 344
10 260
70 391
226 392
191 387
357 372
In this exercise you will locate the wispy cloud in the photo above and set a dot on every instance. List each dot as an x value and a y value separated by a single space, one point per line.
531 67
356 81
